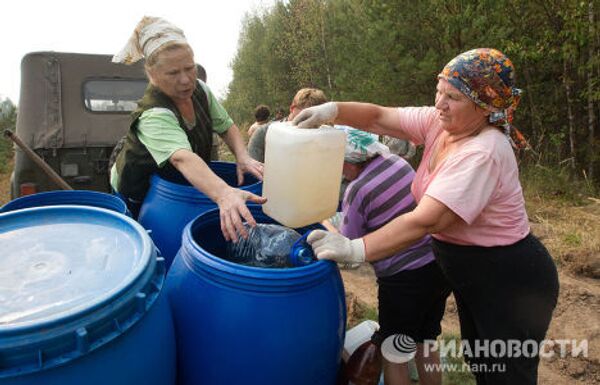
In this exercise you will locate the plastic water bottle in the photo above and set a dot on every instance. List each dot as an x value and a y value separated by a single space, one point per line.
271 246
302 253
267 245
357 336
364 365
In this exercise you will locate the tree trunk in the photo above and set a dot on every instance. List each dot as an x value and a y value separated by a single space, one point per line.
538 129
590 106
570 116
324 48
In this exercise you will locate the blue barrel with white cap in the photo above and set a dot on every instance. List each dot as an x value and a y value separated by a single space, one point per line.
238 324
170 204
81 300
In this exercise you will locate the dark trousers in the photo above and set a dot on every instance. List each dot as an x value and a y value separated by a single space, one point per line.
502 293
412 302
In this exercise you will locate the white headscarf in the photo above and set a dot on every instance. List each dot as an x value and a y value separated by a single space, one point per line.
360 145
149 35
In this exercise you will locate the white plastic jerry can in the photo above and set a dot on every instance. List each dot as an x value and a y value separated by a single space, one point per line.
303 172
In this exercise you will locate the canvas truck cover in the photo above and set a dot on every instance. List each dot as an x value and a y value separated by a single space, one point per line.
66 99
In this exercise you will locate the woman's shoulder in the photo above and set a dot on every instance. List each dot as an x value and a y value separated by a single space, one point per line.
384 164
489 140
491 143
158 118
159 114
425 114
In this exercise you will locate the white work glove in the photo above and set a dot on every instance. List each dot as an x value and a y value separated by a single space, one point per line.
314 117
336 247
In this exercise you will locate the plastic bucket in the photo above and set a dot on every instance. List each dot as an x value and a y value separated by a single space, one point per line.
81 300
170 204
68 197
237 324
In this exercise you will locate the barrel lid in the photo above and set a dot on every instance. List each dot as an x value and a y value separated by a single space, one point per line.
67 197
63 260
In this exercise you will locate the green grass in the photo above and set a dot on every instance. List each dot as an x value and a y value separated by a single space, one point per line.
456 377
364 312
556 184
6 152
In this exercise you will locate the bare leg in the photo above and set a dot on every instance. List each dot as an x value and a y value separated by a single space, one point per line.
431 376
395 374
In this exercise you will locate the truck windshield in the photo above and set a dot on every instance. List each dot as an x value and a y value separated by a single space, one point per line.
113 95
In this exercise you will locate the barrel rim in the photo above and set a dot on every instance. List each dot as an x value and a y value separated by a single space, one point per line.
70 335
59 197
188 193
200 261
146 262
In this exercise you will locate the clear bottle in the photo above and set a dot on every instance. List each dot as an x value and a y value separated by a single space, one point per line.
267 245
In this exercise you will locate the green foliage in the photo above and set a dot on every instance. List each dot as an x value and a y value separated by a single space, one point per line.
8 119
555 183
390 51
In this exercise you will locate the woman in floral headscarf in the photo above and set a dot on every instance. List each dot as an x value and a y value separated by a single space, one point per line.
470 200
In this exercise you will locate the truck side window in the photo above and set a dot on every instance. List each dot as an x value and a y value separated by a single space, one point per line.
113 95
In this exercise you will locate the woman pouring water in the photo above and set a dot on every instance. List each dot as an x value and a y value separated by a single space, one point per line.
470 200
171 131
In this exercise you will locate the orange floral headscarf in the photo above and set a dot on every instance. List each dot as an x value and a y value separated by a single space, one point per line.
487 77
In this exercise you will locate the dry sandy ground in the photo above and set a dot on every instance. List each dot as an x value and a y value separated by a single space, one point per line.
577 316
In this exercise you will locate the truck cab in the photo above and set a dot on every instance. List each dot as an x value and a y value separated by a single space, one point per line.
73 109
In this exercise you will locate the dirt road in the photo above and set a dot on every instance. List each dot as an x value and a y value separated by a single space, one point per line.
577 317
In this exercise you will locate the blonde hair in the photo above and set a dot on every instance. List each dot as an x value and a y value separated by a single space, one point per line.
308 97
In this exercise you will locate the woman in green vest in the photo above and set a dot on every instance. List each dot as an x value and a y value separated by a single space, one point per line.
172 128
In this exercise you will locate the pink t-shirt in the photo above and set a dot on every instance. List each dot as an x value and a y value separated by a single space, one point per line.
479 182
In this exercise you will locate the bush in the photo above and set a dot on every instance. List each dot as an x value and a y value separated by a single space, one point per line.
8 119
556 183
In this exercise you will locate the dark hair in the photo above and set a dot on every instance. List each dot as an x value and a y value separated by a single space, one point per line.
280 113
201 72
262 113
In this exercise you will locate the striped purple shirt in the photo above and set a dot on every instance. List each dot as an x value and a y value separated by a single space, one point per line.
379 194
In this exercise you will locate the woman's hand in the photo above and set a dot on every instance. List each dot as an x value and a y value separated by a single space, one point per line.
246 164
232 207
314 117
336 247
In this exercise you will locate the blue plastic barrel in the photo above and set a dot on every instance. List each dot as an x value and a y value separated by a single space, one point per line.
81 300
170 204
67 197
247 325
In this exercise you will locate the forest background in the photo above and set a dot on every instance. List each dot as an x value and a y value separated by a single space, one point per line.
389 52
